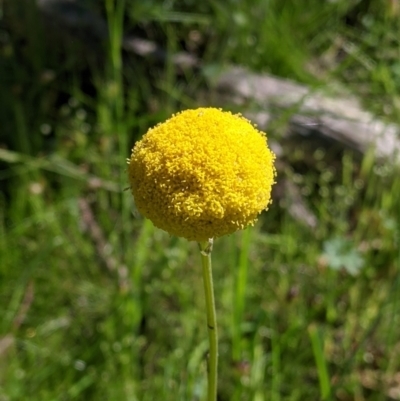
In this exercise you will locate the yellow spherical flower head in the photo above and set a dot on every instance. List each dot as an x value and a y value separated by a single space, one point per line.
202 174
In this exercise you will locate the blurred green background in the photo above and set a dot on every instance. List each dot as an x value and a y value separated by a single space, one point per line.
96 304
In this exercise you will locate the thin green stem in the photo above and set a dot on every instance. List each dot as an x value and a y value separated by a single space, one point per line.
205 250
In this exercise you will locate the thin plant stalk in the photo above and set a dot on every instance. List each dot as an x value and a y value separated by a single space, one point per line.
212 374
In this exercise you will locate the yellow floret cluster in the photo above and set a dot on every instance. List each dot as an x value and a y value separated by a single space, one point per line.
202 174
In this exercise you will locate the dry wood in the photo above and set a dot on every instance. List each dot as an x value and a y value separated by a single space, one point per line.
339 118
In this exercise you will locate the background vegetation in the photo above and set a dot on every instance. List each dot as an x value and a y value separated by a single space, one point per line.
96 304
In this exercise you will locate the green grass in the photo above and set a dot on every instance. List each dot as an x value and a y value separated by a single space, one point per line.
96 304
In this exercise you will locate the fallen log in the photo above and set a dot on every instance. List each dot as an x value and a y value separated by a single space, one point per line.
312 112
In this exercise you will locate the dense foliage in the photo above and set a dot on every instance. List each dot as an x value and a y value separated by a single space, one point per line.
95 303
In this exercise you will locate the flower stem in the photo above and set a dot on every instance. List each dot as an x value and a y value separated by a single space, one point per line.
205 250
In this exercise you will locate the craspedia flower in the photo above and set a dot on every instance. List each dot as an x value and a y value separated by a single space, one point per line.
202 174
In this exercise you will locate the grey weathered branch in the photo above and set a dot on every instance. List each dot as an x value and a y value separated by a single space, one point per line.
339 118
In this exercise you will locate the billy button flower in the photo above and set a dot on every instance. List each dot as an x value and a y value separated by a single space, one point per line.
202 174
